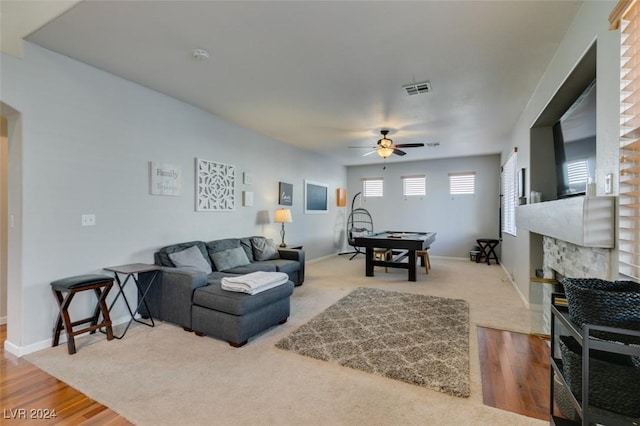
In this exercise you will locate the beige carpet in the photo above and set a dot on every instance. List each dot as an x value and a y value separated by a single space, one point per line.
422 340
166 376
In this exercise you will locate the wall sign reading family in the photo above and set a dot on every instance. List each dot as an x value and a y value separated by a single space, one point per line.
315 197
165 179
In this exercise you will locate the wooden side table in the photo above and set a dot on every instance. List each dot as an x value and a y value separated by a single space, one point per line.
131 270
487 250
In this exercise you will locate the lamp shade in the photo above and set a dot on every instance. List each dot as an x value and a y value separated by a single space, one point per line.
282 216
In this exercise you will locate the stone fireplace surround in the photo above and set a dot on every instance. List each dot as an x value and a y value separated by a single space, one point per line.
578 237
564 259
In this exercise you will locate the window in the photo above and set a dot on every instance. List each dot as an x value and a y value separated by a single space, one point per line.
509 193
462 183
627 15
414 185
372 187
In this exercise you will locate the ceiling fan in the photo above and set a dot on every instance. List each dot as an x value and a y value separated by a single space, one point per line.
386 147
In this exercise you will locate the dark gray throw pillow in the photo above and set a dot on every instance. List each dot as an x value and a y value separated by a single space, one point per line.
264 249
191 258
229 259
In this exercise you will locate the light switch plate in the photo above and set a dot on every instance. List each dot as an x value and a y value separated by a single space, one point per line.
608 184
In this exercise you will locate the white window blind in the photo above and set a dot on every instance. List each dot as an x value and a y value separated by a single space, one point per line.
414 185
578 171
629 191
462 183
372 187
509 193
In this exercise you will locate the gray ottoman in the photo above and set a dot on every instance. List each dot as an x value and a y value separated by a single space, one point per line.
235 317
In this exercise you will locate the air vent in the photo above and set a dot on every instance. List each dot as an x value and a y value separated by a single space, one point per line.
417 88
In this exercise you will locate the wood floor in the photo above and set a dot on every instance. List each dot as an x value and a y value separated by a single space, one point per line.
28 395
515 372
514 366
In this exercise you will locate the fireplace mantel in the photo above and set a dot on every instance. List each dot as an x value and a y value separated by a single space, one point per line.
584 221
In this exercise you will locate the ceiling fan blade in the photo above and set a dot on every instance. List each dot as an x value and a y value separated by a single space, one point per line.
409 145
399 152
368 153
363 147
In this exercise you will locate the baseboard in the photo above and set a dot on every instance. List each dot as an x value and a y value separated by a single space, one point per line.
21 351
3 320
465 259
322 258
524 299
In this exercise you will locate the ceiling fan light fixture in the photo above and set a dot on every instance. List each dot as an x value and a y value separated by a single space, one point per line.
385 152
385 142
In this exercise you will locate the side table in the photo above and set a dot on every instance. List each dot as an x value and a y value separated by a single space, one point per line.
487 250
129 271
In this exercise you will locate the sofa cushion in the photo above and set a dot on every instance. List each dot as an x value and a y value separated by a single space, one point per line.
245 243
214 297
284 265
190 258
253 267
264 249
163 253
223 244
229 259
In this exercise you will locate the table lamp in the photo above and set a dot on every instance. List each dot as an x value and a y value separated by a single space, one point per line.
282 216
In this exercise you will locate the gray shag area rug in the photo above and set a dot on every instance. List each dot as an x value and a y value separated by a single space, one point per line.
422 340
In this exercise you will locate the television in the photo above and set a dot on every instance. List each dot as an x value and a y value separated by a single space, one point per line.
574 143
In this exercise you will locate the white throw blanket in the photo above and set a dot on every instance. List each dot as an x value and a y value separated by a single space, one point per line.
254 282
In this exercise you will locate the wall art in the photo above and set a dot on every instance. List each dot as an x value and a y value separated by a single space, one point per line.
164 179
215 186
247 178
247 198
285 194
315 197
341 197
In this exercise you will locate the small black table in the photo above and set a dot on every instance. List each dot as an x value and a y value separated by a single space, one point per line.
129 271
487 250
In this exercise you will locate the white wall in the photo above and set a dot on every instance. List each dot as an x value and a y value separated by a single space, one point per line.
590 24
87 138
458 220
4 161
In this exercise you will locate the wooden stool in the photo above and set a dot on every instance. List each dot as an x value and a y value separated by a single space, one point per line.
101 284
382 254
424 259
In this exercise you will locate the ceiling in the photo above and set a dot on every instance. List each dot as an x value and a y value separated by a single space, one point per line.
327 75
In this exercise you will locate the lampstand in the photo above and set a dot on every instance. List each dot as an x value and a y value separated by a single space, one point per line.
282 216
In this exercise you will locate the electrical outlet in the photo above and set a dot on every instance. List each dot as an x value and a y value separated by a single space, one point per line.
88 220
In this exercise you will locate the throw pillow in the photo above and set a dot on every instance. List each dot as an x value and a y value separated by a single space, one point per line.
229 259
191 258
264 249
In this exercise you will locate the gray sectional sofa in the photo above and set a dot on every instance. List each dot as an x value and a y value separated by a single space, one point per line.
188 293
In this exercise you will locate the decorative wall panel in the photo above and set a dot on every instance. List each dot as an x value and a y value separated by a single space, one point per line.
215 186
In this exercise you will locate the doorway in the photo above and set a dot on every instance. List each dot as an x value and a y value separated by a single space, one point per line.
11 226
